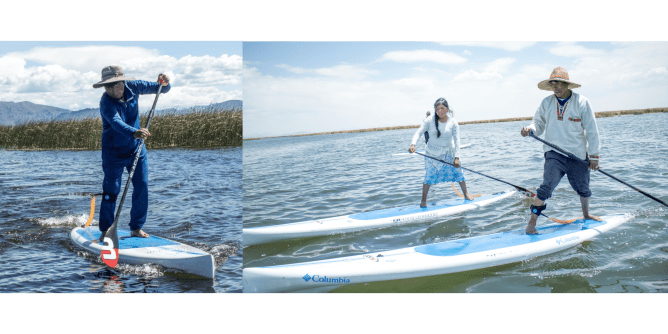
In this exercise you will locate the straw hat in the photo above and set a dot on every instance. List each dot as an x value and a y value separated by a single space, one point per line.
558 74
111 74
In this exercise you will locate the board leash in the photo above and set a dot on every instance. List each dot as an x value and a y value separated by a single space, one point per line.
572 156
92 209
461 195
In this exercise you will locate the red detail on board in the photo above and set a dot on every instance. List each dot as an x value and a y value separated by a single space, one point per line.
110 259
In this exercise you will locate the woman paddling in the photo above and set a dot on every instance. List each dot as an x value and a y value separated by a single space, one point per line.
443 144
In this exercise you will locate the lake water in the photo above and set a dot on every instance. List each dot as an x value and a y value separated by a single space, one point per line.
294 179
194 198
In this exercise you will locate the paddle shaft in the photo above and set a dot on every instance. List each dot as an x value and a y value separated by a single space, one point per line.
472 171
134 163
572 156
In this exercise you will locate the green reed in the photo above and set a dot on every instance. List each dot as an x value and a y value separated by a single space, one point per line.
599 114
190 128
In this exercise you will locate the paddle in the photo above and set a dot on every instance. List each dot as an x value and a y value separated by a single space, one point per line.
525 191
572 156
110 244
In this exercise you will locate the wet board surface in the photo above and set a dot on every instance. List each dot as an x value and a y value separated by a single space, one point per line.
426 260
137 251
127 242
367 220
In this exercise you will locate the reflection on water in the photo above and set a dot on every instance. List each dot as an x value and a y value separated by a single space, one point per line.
195 198
296 179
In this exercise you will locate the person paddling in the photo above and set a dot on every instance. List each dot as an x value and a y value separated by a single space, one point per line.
121 136
568 121
443 144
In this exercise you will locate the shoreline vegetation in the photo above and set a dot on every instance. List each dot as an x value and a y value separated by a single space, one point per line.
600 114
196 127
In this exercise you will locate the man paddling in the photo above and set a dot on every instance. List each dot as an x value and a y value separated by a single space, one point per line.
121 136
568 122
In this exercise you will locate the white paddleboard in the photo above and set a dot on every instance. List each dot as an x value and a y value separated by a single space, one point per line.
137 251
427 260
366 220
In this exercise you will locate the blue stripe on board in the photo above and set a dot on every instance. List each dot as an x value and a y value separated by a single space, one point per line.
480 244
126 242
506 239
407 210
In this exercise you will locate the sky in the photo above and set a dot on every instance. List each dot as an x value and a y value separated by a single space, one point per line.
310 87
62 74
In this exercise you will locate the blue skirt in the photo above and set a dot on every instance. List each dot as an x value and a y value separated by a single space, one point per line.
438 172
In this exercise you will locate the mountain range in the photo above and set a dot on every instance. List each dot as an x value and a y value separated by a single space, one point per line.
15 113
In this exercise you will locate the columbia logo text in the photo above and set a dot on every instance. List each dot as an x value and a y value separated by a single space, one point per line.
325 279
567 239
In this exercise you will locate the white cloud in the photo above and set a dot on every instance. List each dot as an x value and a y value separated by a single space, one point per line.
290 105
297 70
613 76
500 65
340 71
66 77
657 71
346 71
508 46
84 58
574 50
436 56
467 52
471 75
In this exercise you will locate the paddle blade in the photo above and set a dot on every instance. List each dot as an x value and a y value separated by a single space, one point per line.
528 193
92 211
110 247
109 253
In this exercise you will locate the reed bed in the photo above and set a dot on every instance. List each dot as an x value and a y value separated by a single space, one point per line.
600 114
190 128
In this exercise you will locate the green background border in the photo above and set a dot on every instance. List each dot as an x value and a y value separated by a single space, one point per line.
340 20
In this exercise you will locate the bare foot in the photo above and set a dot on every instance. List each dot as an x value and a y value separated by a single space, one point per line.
468 197
104 233
139 233
423 204
531 228
593 218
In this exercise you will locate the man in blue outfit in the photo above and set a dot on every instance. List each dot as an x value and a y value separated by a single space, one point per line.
121 135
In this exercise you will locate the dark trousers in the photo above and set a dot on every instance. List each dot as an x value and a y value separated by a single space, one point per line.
558 165
111 188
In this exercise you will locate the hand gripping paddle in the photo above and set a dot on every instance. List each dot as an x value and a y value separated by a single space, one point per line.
110 243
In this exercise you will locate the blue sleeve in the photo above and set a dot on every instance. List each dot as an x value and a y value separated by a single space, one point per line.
147 87
108 110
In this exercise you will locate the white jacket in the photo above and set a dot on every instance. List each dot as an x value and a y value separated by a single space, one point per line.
447 143
577 133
